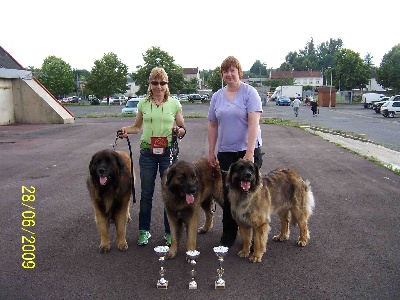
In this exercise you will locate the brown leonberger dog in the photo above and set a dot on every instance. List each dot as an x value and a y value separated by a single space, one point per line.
187 187
110 187
253 199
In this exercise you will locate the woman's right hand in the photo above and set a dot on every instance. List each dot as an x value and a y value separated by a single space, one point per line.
123 133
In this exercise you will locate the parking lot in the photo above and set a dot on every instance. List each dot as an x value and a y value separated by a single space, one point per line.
352 254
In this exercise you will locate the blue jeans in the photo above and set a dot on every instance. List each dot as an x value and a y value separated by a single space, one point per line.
149 165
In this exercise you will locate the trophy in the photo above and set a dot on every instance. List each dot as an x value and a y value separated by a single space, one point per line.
191 256
162 251
220 251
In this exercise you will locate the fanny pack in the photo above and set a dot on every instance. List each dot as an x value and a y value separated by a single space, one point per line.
158 145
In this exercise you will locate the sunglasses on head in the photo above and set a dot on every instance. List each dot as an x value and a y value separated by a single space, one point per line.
162 83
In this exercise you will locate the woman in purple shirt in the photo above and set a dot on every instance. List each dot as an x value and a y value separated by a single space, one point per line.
234 117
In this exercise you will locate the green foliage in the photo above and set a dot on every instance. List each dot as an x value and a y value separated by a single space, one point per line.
155 57
108 76
57 76
388 74
351 71
258 69
215 80
204 75
279 82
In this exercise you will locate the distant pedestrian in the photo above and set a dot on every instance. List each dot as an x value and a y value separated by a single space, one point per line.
307 100
296 105
314 107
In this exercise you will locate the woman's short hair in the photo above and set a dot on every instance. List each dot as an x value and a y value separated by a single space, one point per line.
231 61
158 74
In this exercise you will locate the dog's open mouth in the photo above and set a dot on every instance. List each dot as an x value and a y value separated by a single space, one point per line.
189 198
245 185
103 180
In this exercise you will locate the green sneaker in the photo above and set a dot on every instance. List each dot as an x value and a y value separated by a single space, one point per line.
167 238
144 236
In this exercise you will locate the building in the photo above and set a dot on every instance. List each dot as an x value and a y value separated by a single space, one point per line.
311 78
23 99
189 73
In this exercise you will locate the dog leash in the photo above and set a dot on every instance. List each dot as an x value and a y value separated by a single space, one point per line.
174 149
130 154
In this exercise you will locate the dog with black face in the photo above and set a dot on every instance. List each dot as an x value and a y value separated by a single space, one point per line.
254 198
110 187
186 187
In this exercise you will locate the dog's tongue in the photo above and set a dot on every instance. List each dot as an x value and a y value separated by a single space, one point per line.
103 180
189 198
245 185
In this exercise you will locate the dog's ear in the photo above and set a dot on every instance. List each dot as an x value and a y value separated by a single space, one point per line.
230 173
170 174
120 162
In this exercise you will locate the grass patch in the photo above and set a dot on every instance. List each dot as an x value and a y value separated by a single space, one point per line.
109 115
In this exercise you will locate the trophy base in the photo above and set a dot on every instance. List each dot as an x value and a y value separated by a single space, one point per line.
192 286
163 285
219 286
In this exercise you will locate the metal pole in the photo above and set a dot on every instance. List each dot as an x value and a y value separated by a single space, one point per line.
330 92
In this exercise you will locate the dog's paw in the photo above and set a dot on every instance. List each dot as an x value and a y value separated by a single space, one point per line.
279 238
301 243
104 248
123 247
203 229
244 253
255 258
171 254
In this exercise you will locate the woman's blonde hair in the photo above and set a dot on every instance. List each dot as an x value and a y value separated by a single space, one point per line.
231 61
157 74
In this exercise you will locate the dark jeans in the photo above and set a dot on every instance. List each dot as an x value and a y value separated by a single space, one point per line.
149 165
229 226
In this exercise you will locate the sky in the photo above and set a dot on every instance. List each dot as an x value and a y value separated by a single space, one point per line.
195 33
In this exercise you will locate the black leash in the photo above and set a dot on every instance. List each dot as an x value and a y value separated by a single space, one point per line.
130 154
174 149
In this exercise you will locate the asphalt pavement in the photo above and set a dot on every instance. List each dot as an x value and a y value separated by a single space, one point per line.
47 223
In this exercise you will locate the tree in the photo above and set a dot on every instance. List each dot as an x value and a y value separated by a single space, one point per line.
350 72
108 76
388 74
57 76
215 80
155 57
258 69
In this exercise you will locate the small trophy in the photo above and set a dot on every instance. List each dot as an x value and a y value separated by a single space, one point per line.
220 251
191 256
162 251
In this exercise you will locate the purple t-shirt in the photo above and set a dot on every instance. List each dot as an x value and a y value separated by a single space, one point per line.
232 117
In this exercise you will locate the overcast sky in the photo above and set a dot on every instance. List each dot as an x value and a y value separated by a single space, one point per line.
195 33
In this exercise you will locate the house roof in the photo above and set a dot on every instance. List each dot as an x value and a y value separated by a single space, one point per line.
294 74
187 71
7 61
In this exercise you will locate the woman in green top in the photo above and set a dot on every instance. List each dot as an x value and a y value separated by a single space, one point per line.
157 115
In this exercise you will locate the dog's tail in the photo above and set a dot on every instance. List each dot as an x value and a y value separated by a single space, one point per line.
310 201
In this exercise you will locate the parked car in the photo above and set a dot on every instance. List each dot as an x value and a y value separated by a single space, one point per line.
183 97
390 108
131 106
74 99
283 100
205 97
377 105
195 98
95 101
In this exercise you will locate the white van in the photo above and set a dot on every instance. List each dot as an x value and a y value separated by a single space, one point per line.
369 99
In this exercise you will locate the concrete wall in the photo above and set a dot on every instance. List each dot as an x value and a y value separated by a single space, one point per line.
6 103
28 102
